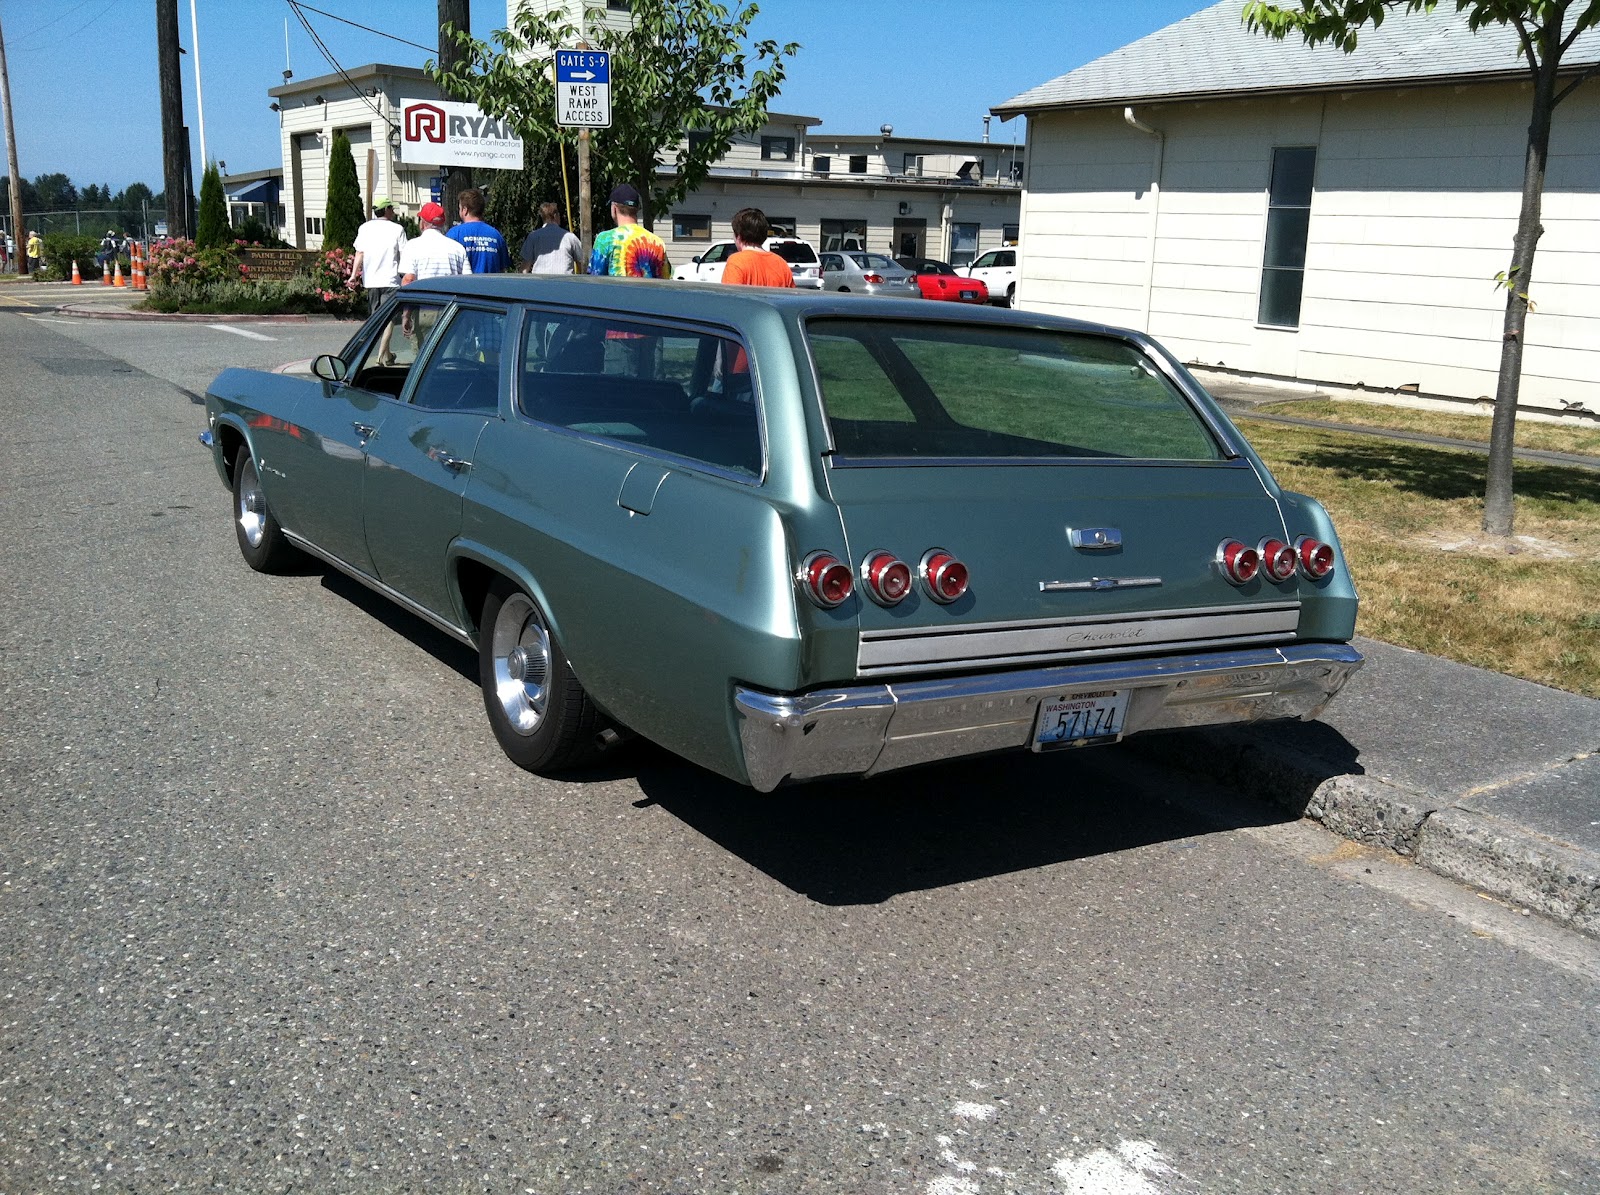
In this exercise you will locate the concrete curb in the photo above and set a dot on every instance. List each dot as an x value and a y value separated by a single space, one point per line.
1500 858
185 317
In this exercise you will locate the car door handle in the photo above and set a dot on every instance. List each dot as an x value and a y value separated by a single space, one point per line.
454 463
364 430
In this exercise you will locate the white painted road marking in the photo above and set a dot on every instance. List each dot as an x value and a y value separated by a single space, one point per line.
1133 1168
240 331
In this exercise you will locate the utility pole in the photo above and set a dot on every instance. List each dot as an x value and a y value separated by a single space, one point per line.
458 13
17 231
174 137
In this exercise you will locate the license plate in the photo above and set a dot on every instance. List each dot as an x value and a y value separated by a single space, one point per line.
969 294
1080 719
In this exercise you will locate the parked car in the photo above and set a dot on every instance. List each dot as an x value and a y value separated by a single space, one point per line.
789 535
868 274
802 259
939 280
998 270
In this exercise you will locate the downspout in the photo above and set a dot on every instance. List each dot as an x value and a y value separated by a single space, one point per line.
1155 204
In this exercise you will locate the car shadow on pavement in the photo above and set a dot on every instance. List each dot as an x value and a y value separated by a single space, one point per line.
450 652
850 842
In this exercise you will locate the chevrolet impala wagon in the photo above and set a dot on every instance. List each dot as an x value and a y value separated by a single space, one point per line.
790 536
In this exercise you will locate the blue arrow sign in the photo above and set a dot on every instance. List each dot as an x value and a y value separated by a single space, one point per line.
583 66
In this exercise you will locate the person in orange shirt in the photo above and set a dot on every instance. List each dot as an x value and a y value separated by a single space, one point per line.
752 265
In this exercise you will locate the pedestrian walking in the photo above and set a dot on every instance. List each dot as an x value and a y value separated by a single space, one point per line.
108 250
629 250
377 260
754 264
486 248
431 254
550 248
35 252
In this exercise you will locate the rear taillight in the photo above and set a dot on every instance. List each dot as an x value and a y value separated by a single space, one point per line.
826 579
872 278
887 579
943 576
1314 557
1278 559
1238 563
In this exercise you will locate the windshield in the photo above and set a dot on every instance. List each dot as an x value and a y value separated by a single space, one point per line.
903 389
794 251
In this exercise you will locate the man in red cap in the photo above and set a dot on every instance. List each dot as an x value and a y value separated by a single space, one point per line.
432 254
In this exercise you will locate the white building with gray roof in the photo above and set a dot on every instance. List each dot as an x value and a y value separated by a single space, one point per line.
1276 209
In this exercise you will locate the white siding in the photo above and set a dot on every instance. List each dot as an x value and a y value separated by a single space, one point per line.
1413 213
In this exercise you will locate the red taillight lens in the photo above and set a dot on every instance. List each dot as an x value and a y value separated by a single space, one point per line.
943 576
1315 557
872 278
826 579
888 580
1278 559
1239 564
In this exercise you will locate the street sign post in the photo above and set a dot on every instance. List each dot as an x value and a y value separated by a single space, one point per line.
583 88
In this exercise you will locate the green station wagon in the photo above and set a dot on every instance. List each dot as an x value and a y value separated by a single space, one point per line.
791 536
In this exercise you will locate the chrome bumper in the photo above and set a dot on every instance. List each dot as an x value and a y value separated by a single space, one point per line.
861 730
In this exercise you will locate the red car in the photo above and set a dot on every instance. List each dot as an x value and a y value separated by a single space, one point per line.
938 280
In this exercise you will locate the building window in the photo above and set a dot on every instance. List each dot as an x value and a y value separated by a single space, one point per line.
620 5
1283 263
822 163
858 163
777 149
912 165
688 227
782 226
697 138
313 226
963 244
1010 233
843 234
1016 170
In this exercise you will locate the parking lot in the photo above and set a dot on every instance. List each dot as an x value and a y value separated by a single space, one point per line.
280 916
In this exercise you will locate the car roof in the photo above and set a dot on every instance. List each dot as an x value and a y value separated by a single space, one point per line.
727 304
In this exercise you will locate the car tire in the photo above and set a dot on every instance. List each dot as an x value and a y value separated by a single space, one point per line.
1011 295
542 718
844 290
261 540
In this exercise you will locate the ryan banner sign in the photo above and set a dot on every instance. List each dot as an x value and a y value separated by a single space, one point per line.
443 133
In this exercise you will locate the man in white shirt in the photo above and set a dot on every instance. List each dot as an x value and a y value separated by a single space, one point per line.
432 254
377 261
551 249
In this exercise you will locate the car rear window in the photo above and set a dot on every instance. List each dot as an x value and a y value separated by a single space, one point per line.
873 261
794 252
902 389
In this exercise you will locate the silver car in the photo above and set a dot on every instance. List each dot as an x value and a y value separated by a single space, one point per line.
868 274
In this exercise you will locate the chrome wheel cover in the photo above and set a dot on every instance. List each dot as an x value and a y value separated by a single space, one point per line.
251 504
520 645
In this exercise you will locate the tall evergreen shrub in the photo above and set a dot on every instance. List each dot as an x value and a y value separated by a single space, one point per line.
344 197
214 231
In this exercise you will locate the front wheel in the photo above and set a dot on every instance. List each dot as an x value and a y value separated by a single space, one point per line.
261 540
1011 295
540 715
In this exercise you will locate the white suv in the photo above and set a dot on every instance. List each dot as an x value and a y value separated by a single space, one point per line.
802 259
998 268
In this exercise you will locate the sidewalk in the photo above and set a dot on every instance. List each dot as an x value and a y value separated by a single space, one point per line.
1486 779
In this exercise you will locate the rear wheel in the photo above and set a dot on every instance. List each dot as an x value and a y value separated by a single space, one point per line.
1011 294
261 540
540 715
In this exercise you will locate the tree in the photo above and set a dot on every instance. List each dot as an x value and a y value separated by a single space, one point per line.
1545 30
344 197
682 66
132 203
30 199
213 230
55 193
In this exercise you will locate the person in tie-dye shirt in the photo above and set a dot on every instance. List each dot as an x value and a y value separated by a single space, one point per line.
630 250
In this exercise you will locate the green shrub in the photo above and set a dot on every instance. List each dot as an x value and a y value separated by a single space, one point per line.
344 197
61 249
213 230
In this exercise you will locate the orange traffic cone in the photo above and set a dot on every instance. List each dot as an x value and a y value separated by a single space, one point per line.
120 280
77 278
105 276
136 264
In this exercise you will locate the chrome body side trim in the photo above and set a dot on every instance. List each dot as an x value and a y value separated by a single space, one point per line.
1095 539
861 730
1003 644
1100 583
380 588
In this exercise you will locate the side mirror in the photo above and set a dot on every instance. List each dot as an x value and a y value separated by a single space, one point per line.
695 260
330 368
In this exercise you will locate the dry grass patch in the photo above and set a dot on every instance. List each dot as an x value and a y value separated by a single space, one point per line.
1408 516
1547 437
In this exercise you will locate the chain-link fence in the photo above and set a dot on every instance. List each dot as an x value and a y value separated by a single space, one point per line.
91 222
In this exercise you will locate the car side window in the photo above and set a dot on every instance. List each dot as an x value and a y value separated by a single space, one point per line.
1006 259
462 372
831 261
714 255
396 347
984 262
680 391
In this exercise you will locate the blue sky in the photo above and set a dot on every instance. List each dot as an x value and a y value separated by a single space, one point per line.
84 83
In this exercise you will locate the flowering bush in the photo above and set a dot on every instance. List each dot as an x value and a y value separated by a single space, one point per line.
329 273
180 261
185 278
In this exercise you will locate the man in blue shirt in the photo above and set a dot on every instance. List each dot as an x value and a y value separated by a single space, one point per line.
486 248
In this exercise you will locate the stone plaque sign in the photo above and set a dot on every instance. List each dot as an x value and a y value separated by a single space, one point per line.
277 263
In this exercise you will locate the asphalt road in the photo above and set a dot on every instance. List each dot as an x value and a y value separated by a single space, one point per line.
277 915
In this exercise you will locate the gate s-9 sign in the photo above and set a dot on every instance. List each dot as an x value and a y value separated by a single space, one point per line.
444 133
583 88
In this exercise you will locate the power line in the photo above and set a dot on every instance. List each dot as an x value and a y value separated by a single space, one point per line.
333 62
366 28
